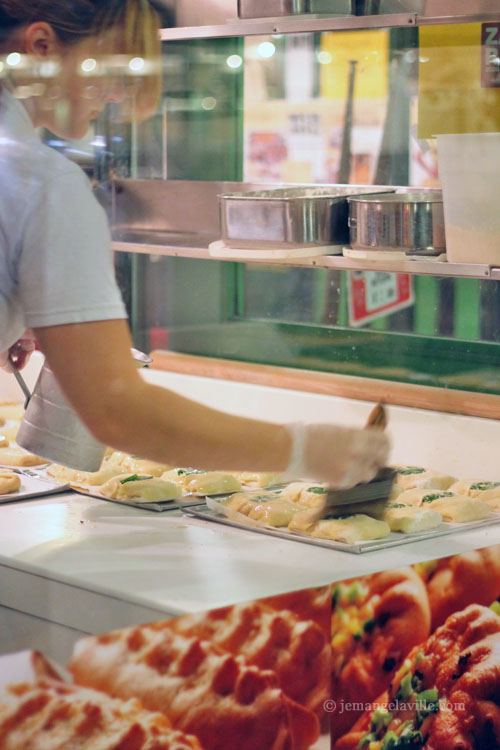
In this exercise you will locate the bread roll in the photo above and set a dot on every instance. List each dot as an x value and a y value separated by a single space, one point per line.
267 507
139 488
9 482
350 529
203 482
15 456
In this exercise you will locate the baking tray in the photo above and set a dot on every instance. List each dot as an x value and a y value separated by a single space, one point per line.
185 501
393 540
33 486
277 8
297 216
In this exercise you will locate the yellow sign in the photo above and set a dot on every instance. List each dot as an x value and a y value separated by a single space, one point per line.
451 99
371 51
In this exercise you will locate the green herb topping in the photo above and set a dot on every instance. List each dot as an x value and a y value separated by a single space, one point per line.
485 486
135 478
436 496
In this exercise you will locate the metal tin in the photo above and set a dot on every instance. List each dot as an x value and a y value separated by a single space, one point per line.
406 222
51 429
276 8
289 216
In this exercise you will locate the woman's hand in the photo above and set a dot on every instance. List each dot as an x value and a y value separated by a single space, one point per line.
19 353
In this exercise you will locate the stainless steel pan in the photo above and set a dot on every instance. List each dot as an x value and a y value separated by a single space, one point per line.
409 222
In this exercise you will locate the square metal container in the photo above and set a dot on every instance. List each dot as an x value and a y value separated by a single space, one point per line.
289 216
276 8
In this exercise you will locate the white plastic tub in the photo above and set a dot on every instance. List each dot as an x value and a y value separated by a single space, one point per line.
469 169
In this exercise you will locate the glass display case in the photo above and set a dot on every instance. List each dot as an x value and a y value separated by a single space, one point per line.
310 99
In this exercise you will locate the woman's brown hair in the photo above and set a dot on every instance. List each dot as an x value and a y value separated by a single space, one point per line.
136 22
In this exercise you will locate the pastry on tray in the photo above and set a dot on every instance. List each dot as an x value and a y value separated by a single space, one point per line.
416 477
411 519
139 488
9 481
51 715
445 696
348 528
487 492
376 621
10 410
203 482
297 651
455 582
136 464
452 507
15 456
258 480
201 689
308 494
269 508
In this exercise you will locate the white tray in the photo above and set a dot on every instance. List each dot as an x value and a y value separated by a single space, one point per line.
394 539
32 486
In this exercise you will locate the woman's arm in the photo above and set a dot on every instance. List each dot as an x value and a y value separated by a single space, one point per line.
93 364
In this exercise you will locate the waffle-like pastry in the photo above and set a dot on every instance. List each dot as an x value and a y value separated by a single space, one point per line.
376 621
297 651
307 604
51 715
455 582
446 696
202 690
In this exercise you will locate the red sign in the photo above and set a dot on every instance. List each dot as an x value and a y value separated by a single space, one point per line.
373 294
490 55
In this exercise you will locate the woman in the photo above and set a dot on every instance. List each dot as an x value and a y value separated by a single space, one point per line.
56 274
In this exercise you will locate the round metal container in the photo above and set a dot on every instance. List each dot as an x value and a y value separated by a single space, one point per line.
52 430
412 223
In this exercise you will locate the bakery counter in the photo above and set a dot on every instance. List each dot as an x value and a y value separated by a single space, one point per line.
92 566
86 565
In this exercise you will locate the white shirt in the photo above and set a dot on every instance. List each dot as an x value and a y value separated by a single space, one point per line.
55 247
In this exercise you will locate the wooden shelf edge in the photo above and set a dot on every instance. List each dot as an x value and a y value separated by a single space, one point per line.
346 386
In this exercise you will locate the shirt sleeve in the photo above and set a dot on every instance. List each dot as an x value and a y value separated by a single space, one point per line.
65 272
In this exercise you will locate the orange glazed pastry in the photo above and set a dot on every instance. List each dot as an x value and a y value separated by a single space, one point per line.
51 715
446 696
455 582
297 651
306 604
202 689
376 621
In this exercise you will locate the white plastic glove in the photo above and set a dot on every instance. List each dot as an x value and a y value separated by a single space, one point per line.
339 456
19 353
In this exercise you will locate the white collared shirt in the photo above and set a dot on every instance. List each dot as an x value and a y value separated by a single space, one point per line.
55 250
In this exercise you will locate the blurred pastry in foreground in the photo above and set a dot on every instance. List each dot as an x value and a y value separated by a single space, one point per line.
297 651
376 621
200 688
9 482
15 456
50 714
445 696
455 582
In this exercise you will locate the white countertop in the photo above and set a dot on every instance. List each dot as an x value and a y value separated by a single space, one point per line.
92 565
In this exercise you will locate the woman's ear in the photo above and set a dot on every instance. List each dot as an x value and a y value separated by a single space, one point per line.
40 41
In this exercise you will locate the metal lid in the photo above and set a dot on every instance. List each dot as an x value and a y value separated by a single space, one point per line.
413 197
